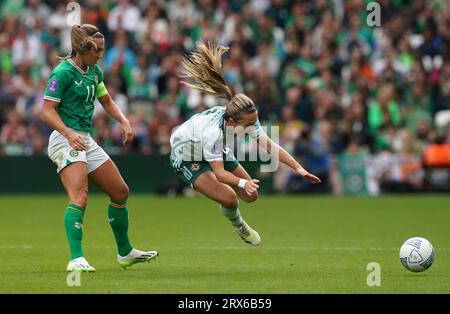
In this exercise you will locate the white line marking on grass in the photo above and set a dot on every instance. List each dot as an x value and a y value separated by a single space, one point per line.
16 247
302 248
221 248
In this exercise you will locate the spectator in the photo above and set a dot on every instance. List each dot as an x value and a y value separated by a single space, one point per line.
437 154
35 12
313 149
405 174
13 134
124 16
120 53
26 47
384 113
436 161
355 124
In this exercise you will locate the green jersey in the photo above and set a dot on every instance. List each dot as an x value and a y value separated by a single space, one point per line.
75 90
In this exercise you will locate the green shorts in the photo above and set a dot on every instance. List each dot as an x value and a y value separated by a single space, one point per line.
189 171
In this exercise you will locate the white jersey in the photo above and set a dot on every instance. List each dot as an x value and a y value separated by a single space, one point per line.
202 136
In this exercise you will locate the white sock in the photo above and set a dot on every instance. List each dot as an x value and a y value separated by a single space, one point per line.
233 215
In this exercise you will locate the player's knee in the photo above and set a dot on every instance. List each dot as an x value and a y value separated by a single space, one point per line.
229 200
121 194
80 198
251 198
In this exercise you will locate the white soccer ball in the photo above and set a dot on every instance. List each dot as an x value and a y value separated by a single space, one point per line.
417 254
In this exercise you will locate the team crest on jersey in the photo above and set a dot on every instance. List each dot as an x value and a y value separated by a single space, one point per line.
195 167
73 153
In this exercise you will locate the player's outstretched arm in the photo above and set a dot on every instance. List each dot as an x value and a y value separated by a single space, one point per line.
250 186
113 110
266 143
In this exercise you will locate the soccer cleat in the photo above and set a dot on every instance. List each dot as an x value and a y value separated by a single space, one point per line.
80 264
247 234
136 256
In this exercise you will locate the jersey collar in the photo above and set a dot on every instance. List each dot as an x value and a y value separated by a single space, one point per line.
77 67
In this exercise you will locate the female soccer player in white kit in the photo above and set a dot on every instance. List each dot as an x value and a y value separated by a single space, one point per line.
199 155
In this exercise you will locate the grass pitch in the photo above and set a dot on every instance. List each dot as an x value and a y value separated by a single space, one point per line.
311 244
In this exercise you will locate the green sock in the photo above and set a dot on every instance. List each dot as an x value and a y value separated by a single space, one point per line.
118 219
232 215
73 223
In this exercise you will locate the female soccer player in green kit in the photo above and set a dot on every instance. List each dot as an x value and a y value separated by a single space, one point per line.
199 154
68 108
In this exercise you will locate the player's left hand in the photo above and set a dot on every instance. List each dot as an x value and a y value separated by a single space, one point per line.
308 176
127 132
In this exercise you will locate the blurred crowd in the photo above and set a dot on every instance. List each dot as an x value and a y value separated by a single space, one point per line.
334 84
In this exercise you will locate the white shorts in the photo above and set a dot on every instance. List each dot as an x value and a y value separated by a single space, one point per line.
62 154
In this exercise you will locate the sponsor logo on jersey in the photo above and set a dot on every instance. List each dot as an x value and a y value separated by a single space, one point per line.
53 86
77 84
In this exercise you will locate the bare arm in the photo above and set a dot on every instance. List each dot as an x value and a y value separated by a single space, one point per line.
113 110
51 117
286 158
228 178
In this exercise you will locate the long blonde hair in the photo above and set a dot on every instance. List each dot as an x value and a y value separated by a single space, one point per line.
204 67
82 39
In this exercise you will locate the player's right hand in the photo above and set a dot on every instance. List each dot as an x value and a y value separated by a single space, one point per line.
251 186
127 132
76 141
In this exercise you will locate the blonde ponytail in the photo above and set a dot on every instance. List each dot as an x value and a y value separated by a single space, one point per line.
204 67
82 39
